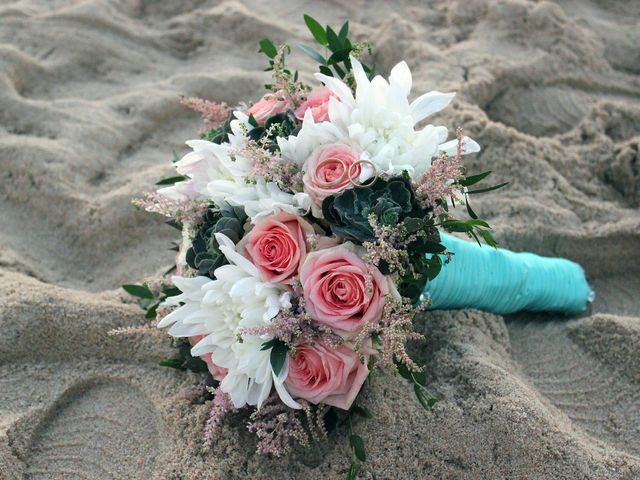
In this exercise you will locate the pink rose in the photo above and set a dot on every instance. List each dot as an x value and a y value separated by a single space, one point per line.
218 373
329 171
277 245
269 105
321 374
318 102
340 292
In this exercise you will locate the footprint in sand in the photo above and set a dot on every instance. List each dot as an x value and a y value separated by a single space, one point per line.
103 429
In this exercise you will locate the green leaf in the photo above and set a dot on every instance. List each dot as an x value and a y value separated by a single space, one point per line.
339 56
426 398
477 222
433 247
141 291
278 356
354 468
268 48
252 121
404 371
470 211
172 363
312 53
172 180
362 411
171 291
316 30
488 189
357 446
335 45
472 180
434 267
326 70
174 223
341 73
344 31
475 237
486 234
152 311
268 345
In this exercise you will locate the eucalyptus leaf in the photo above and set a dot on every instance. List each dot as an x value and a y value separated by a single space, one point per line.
152 311
174 223
354 468
488 189
344 31
362 411
313 54
470 211
335 44
316 30
357 446
473 179
172 180
278 356
268 48
426 398
172 363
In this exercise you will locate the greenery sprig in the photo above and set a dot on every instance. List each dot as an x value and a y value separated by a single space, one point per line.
337 47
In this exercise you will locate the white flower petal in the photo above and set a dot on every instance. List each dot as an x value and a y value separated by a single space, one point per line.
401 75
342 90
429 103
451 147
278 382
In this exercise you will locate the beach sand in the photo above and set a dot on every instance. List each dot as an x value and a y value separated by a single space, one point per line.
89 117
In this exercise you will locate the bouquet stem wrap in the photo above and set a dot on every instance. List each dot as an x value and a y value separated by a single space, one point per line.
501 281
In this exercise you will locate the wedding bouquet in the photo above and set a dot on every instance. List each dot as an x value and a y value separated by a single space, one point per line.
310 227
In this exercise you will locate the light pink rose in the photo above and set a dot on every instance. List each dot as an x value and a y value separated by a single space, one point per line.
277 245
318 102
269 105
218 373
340 292
321 374
329 170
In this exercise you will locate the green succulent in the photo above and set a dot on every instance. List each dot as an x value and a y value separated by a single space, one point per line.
204 254
390 200
279 125
394 204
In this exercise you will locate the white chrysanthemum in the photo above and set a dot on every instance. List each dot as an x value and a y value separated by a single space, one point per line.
218 173
382 122
220 309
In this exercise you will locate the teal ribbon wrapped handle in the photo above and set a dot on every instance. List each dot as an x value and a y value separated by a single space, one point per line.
501 281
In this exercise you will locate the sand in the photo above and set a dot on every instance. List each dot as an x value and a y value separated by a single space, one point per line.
89 117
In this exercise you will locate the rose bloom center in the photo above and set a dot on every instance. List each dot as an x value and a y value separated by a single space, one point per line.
276 247
344 290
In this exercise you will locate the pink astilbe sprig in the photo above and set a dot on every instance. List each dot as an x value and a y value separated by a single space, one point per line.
279 427
213 113
220 407
440 180
190 211
390 246
270 165
295 326
285 82
393 332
